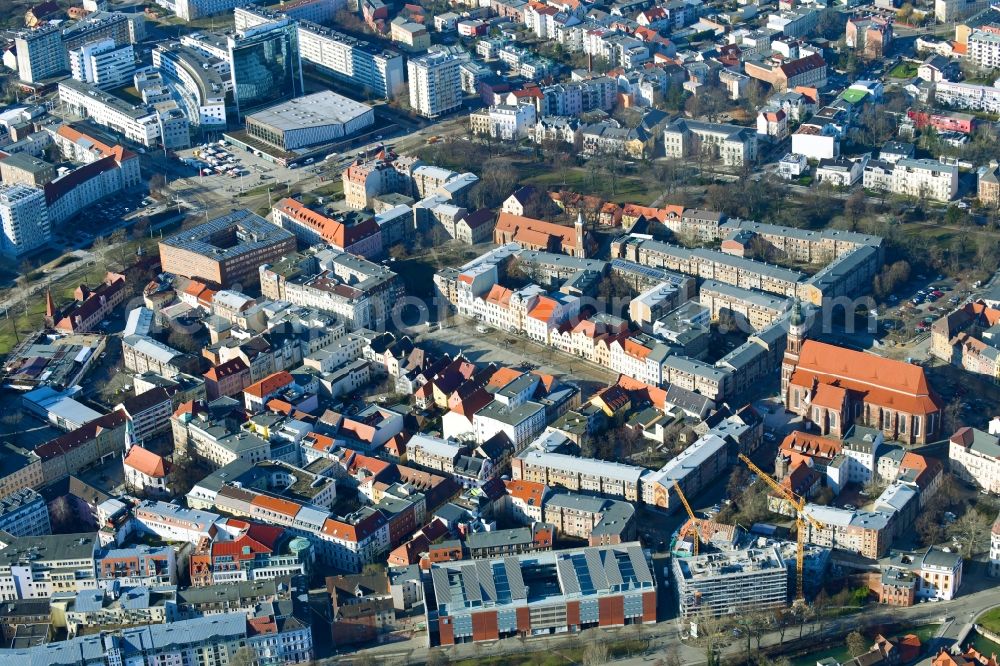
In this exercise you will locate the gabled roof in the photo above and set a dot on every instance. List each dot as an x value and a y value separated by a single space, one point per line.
146 462
890 383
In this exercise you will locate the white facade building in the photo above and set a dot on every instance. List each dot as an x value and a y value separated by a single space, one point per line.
24 218
925 179
103 64
435 84
137 123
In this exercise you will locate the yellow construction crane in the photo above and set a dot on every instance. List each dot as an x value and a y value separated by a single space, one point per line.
694 521
800 521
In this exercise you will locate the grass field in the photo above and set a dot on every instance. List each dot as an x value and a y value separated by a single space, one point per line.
904 70
990 620
628 189
62 292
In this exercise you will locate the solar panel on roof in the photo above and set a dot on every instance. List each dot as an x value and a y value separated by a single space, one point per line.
567 576
514 579
639 564
612 570
595 568
485 573
442 590
470 583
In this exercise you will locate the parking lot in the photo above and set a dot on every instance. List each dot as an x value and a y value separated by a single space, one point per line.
102 218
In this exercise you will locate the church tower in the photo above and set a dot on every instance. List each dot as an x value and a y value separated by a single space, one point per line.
581 249
793 346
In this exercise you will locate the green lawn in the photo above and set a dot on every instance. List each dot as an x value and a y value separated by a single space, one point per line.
627 189
990 620
904 70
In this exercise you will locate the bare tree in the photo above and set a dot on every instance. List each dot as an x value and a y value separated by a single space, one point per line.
972 532
856 644
595 654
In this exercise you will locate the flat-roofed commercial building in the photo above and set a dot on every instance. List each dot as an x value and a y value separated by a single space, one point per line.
226 250
539 593
306 121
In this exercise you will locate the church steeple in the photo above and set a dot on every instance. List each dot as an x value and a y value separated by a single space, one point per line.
50 306
796 330
581 249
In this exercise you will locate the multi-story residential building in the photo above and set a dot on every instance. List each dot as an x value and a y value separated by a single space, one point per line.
141 353
212 433
520 422
435 85
925 179
359 291
809 71
41 53
504 122
226 250
713 265
570 589
870 35
216 640
37 567
147 414
794 23
365 180
25 220
975 457
99 610
730 144
258 553
693 469
26 169
361 237
24 513
738 581
757 309
536 464
138 123
68 454
175 523
137 566
352 60
124 28
603 522
19 468
865 533
968 96
988 186
947 11
103 63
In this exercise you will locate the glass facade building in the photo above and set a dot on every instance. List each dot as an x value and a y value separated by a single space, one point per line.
266 67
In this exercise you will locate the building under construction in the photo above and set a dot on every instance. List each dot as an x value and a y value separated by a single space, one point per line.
732 582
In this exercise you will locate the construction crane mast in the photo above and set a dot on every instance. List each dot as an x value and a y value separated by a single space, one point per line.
694 521
801 517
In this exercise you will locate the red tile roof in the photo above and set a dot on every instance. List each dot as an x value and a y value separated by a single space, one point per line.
269 384
885 382
146 462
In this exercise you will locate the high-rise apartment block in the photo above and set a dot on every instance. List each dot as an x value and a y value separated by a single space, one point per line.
435 84
25 220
